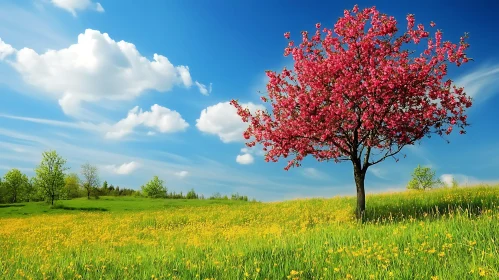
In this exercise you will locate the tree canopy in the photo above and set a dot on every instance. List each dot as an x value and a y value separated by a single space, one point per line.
358 93
16 185
154 188
50 175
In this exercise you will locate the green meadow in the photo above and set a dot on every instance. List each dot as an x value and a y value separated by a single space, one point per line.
448 233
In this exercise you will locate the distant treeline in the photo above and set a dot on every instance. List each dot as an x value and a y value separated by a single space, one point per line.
51 182
156 189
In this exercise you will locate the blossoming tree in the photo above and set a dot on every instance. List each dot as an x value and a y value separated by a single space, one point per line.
358 94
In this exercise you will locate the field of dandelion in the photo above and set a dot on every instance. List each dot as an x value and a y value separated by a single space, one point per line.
439 234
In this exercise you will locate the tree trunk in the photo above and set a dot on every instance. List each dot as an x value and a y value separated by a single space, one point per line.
52 199
360 176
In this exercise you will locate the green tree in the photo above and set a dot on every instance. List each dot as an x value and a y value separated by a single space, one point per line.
90 179
15 183
31 192
50 175
105 188
154 188
72 186
423 178
191 194
216 195
3 192
111 190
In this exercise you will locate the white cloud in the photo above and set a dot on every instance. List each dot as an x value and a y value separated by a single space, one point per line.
73 5
460 178
255 150
447 179
378 172
185 76
245 159
124 169
77 125
222 120
182 174
162 119
481 83
313 173
99 8
465 180
19 150
6 146
97 68
5 49
203 89
22 26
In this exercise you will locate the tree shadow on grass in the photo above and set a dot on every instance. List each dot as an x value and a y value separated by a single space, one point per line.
11 205
91 209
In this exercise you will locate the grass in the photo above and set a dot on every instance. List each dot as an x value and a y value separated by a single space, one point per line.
440 234
105 203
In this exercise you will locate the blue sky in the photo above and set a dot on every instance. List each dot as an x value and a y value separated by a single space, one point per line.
140 88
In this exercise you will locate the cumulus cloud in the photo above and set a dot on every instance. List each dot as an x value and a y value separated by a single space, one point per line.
255 150
125 168
96 68
245 159
247 154
73 5
5 49
160 118
222 120
182 173
203 89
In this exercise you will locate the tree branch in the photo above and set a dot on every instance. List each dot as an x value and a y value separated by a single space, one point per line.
388 155
366 159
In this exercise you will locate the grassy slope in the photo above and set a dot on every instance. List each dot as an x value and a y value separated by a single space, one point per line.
407 238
